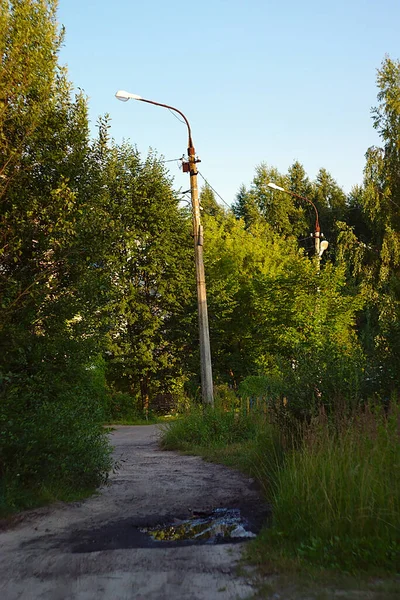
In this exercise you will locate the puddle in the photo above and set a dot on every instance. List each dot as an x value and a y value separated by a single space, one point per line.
221 524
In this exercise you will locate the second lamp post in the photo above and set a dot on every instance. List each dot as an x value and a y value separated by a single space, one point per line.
319 246
204 334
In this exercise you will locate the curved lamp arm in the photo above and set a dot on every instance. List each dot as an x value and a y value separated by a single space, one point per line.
281 189
125 96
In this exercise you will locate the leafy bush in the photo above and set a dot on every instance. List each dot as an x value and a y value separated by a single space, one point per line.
296 388
225 397
123 407
261 387
53 443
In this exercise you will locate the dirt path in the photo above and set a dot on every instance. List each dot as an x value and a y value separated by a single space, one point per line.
94 549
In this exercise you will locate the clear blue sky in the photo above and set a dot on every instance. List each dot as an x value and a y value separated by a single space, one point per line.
260 80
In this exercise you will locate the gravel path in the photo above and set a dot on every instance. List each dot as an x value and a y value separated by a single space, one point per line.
93 550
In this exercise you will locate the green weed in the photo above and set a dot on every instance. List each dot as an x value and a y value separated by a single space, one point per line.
337 497
203 426
333 483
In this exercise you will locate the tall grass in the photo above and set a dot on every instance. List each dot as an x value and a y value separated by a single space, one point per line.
337 497
334 483
209 427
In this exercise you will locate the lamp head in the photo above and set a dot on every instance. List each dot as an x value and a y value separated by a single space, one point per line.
125 96
323 246
275 187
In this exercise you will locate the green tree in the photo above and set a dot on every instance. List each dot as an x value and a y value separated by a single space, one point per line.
208 202
152 274
50 283
279 210
235 255
29 43
331 203
372 249
299 183
245 207
272 313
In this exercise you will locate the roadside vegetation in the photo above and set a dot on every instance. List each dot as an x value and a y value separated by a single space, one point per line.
330 479
98 314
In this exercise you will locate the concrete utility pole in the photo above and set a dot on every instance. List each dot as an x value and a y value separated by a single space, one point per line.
204 335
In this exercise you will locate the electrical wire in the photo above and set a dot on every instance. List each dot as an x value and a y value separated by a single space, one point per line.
176 116
201 175
215 191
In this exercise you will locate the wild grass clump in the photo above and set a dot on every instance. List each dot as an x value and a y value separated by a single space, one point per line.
204 426
333 481
337 497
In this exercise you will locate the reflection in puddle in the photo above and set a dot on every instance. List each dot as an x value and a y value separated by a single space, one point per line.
221 523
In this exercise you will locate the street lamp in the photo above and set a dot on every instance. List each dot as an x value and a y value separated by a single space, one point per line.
320 247
204 334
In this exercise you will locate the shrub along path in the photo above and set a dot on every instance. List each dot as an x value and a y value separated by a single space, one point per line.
92 549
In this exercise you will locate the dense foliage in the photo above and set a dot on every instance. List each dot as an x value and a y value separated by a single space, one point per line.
52 396
152 277
98 313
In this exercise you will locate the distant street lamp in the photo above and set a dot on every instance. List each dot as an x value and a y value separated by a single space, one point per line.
204 334
320 247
